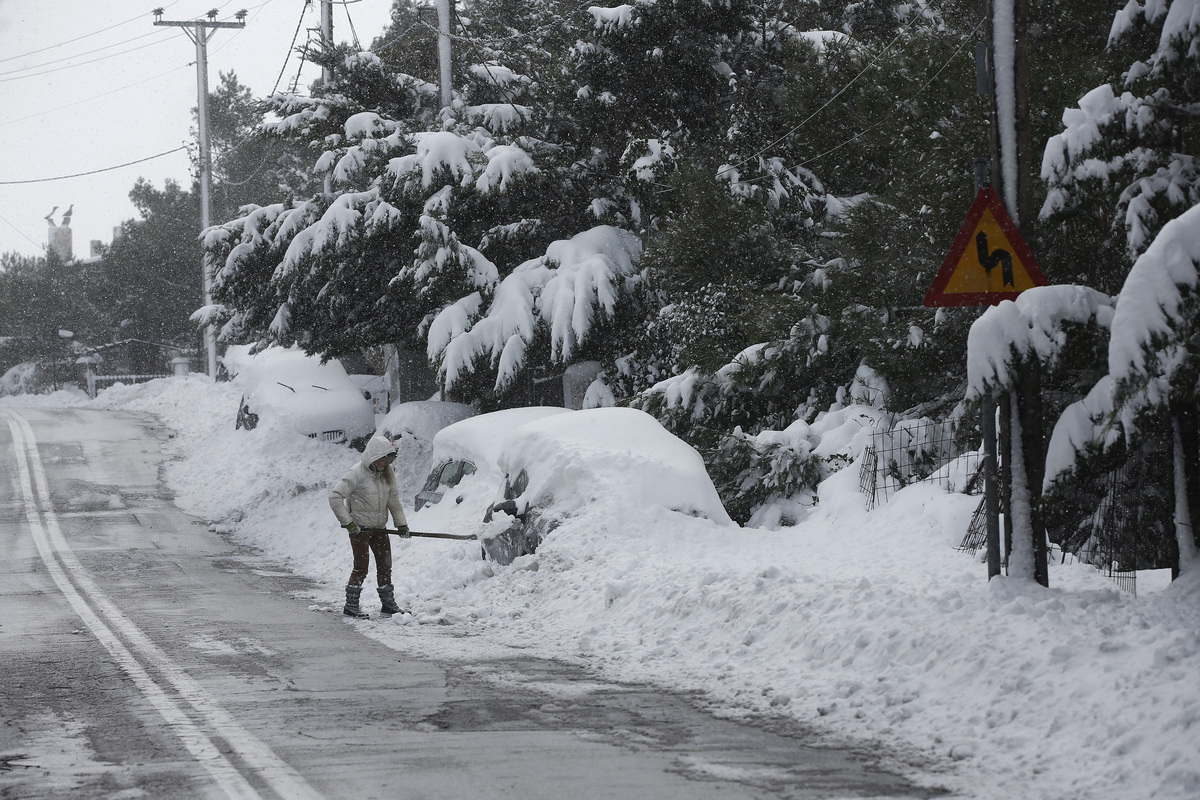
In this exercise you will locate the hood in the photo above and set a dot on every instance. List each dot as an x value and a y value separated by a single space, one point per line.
377 448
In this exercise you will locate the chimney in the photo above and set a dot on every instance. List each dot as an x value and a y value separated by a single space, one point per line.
60 241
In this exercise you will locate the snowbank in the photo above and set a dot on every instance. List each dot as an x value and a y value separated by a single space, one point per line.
867 627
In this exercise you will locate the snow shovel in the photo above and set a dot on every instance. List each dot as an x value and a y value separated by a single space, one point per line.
502 549
420 534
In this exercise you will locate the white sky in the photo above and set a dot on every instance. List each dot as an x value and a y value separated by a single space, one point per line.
86 85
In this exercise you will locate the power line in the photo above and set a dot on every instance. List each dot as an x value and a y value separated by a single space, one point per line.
825 105
503 89
82 63
291 47
966 38
94 171
233 37
910 98
21 232
77 38
79 55
354 33
93 97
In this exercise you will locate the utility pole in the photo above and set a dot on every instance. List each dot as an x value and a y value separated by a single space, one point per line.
1012 175
326 38
1012 146
200 31
444 8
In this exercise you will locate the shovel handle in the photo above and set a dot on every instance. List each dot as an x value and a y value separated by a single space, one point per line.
421 534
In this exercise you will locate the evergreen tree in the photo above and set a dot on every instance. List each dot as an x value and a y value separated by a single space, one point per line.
39 297
1125 162
149 278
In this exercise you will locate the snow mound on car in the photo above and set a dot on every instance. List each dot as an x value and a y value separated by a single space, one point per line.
479 439
619 456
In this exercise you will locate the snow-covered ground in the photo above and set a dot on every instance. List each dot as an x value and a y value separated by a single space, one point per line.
867 627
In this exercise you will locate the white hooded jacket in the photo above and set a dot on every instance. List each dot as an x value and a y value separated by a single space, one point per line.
365 496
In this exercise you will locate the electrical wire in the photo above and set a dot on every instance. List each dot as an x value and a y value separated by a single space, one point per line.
909 99
84 63
824 105
239 31
966 38
78 38
483 62
20 232
94 171
292 46
354 33
80 55
93 97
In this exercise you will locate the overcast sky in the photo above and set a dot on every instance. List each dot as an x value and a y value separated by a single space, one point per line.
90 84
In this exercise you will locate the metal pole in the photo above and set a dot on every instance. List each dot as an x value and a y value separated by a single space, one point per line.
326 37
444 52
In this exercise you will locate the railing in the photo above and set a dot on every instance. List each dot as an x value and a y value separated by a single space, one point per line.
916 451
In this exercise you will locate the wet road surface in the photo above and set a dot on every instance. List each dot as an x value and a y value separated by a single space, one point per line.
143 656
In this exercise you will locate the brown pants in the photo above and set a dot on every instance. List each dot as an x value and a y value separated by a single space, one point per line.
365 543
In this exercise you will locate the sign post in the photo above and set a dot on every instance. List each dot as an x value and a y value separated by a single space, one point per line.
988 263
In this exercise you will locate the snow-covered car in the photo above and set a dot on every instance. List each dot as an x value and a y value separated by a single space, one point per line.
471 448
411 427
315 399
374 388
618 457
422 419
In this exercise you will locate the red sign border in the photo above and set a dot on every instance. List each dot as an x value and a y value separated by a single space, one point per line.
986 198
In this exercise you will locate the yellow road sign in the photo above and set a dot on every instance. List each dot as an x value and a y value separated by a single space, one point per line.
988 262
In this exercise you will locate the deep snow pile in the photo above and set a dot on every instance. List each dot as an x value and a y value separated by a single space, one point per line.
868 627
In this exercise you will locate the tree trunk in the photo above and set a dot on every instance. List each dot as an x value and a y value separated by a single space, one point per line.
1185 459
1028 558
1033 446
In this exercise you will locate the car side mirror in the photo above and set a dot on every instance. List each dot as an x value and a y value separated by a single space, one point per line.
458 500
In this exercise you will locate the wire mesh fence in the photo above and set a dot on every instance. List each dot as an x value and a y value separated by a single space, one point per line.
976 536
916 451
1125 532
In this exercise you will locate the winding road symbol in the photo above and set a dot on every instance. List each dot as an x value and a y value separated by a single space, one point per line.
989 261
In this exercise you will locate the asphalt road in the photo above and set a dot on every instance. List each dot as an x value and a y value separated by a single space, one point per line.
143 656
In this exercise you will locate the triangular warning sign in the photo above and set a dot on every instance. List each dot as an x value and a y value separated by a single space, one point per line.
989 261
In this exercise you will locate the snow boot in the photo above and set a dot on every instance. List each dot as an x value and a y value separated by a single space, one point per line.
351 608
387 596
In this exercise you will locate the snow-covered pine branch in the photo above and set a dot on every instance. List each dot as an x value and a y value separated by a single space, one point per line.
564 293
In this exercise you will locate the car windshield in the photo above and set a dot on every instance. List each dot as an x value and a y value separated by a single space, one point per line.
448 475
515 487
455 472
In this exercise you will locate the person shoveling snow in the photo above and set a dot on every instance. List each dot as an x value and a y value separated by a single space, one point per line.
361 500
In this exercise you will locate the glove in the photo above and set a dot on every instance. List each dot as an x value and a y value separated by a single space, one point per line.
403 531
352 528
